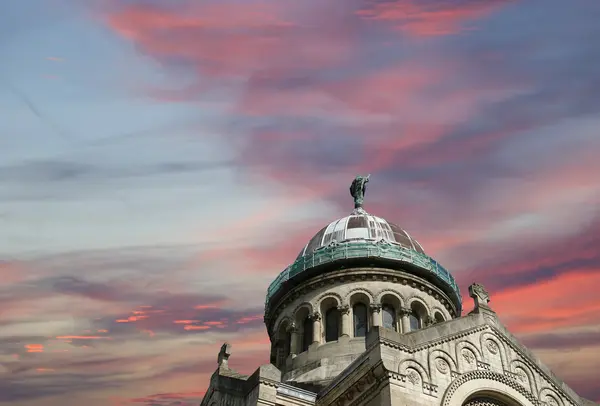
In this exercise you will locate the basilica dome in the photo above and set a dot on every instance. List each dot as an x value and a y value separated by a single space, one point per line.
360 226
361 240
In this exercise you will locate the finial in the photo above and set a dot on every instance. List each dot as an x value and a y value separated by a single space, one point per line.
357 190
480 296
224 355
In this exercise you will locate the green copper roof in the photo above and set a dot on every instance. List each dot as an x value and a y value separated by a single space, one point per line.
366 249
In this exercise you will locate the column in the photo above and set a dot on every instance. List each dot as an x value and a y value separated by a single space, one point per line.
375 315
293 330
404 313
316 318
346 322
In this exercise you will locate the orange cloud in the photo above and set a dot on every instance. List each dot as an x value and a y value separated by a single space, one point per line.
533 308
83 338
185 321
191 327
34 347
249 319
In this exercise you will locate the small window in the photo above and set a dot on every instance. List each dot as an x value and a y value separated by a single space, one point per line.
439 318
307 334
361 324
415 323
389 317
332 325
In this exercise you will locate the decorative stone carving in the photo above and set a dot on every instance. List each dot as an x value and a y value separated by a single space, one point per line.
479 295
474 375
521 375
344 309
316 316
375 308
468 356
292 328
551 401
413 376
442 365
492 346
484 401
404 311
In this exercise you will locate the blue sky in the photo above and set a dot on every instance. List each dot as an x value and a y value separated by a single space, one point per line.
170 158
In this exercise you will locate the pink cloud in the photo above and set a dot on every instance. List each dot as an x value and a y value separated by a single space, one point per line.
425 19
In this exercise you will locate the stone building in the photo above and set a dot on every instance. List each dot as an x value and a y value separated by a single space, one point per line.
364 317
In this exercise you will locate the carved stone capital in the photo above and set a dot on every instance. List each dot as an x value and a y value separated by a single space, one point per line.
428 321
375 308
344 309
316 316
292 328
404 311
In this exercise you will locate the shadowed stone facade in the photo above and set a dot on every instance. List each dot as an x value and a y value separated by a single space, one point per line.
364 317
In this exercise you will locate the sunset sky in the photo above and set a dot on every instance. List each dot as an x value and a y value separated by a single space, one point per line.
161 161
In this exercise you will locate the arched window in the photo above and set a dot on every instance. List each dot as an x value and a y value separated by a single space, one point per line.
418 315
389 317
287 345
361 323
439 318
415 323
307 333
332 325
484 401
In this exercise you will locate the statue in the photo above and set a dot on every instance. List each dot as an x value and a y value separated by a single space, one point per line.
224 354
357 190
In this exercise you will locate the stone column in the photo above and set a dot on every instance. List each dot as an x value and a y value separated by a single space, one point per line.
293 330
404 313
316 318
346 323
375 315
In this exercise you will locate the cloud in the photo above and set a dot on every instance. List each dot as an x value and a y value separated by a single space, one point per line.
575 340
430 18
44 172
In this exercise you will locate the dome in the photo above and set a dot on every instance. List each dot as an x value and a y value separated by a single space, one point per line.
360 226
361 239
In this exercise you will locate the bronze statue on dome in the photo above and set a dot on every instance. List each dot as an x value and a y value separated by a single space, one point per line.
357 190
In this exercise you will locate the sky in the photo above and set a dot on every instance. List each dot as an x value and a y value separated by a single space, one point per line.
161 161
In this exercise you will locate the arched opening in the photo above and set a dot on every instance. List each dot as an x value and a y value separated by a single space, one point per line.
418 315
331 319
439 317
304 335
484 401
283 342
390 304
307 333
332 324
360 319
360 302
389 316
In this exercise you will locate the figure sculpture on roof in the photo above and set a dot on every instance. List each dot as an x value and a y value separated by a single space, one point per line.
357 190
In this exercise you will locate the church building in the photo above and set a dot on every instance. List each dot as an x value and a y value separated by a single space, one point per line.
364 316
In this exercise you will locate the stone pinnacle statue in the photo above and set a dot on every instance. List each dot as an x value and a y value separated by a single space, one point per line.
357 190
